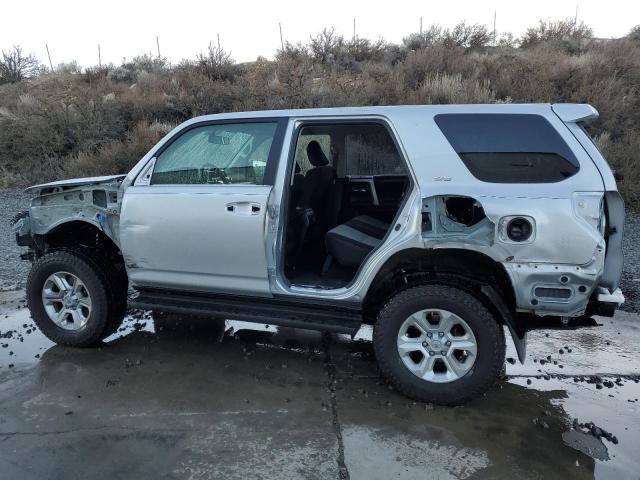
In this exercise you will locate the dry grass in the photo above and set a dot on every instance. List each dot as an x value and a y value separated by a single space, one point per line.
623 157
104 119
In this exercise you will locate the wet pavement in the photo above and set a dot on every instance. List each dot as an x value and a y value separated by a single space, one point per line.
200 398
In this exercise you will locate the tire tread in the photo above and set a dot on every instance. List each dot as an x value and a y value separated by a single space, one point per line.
411 294
87 260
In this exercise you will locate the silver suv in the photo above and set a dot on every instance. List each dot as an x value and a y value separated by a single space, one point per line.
439 225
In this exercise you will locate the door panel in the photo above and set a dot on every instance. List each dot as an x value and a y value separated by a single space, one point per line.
390 190
376 195
196 237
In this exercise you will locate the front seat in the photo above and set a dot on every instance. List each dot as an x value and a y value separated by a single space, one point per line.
318 183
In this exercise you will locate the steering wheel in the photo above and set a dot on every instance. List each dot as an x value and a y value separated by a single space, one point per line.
219 175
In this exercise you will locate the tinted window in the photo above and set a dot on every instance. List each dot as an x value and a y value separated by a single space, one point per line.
509 148
217 154
370 150
352 149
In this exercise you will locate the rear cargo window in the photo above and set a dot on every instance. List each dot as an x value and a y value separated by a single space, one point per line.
509 148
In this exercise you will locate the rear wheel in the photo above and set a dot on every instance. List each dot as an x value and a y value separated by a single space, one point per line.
73 298
438 344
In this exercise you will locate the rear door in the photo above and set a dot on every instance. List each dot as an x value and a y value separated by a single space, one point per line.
196 220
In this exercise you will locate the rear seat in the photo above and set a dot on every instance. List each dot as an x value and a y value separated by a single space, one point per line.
350 242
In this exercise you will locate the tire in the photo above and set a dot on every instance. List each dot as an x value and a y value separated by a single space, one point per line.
99 287
450 387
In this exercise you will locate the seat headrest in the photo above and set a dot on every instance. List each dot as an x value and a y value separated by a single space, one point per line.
316 156
297 169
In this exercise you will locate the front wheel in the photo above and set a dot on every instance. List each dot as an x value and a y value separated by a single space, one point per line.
73 299
438 344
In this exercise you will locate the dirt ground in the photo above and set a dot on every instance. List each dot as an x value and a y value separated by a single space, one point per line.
193 399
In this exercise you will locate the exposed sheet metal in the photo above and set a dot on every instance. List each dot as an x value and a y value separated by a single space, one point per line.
75 182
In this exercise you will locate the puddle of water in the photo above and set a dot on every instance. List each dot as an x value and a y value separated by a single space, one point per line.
21 344
590 351
417 456
611 412
609 348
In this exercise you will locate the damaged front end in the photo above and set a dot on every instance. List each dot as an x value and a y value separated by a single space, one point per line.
92 201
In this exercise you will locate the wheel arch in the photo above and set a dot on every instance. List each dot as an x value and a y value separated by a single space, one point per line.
468 270
77 233
81 235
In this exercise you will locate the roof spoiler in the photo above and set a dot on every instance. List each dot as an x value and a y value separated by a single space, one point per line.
575 112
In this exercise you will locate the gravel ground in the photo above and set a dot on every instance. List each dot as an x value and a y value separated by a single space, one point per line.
14 271
630 284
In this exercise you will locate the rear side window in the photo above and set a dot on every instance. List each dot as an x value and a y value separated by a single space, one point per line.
370 150
509 148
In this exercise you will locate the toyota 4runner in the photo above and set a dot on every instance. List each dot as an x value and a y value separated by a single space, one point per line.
438 225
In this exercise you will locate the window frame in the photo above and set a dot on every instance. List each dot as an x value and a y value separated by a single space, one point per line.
273 160
298 124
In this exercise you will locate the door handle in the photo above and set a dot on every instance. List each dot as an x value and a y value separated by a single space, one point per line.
243 209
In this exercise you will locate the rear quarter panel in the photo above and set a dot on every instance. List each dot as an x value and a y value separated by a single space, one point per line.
562 237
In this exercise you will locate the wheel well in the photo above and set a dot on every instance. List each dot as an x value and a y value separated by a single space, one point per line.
466 269
78 234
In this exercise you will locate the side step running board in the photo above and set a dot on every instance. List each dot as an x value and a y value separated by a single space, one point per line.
285 313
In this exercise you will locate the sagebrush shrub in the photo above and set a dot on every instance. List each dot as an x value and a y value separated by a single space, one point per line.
103 119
